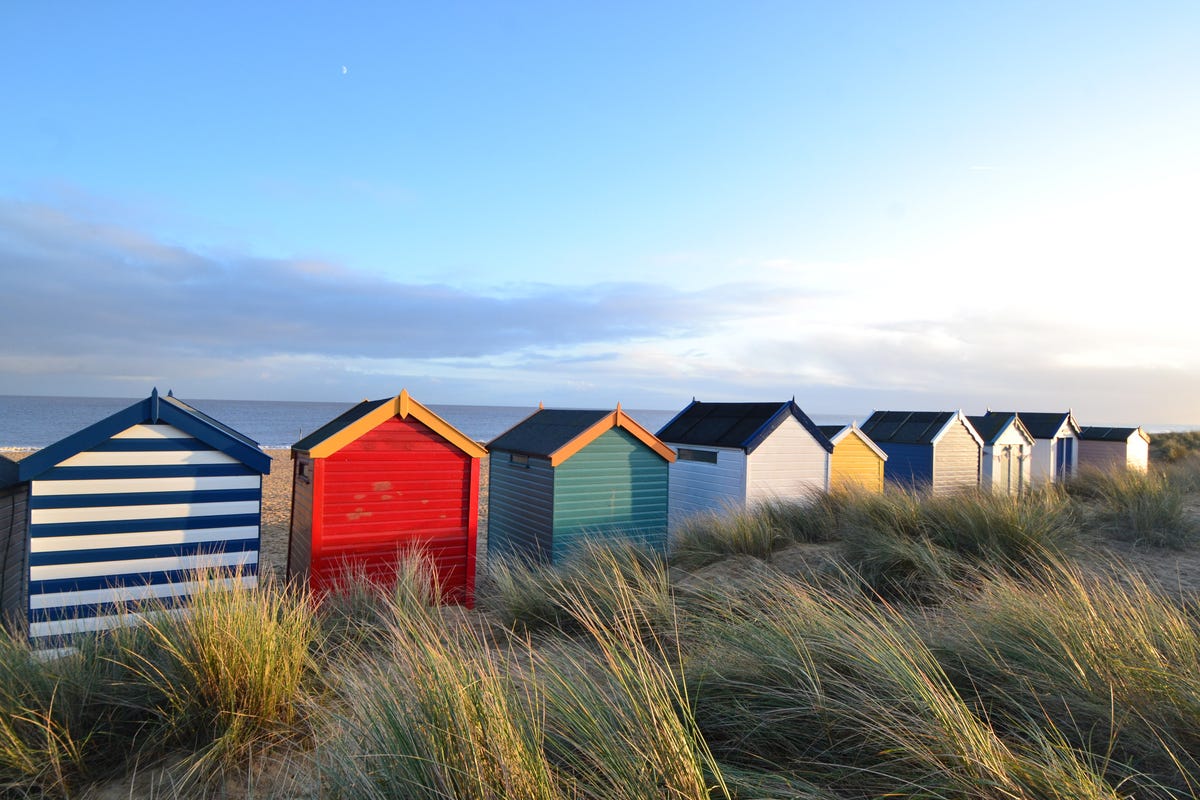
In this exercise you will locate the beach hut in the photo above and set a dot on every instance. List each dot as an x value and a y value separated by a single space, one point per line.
938 450
730 455
856 462
385 478
1007 452
1056 444
1113 448
130 508
564 476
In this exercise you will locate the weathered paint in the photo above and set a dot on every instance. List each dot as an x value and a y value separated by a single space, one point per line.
398 487
131 518
520 508
789 464
956 456
14 577
700 487
855 464
614 488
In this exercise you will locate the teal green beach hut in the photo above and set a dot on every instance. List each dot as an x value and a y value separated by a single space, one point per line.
565 476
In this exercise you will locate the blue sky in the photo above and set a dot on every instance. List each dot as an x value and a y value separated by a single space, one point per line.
862 204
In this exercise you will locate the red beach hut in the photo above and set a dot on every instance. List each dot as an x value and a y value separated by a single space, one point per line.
385 478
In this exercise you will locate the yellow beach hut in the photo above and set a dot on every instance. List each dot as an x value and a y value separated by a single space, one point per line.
857 462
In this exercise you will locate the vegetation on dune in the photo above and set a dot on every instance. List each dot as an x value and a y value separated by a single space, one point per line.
953 648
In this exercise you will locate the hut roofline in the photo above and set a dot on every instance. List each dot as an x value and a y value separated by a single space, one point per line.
154 410
370 414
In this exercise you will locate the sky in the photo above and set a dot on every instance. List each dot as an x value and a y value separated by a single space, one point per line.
862 205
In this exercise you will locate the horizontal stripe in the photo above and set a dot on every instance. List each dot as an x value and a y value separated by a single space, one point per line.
143 525
144 498
43 544
136 567
61 632
99 555
174 595
131 592
51 516
152 432
149 445
136 485
166 457
144 471
82 583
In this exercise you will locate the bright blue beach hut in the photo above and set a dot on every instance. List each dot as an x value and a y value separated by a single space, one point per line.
128 509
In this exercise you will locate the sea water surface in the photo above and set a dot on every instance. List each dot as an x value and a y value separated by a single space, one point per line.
35 422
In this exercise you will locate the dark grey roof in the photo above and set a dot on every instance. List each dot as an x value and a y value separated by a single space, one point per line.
742 425
1043 424
9 472
905 427
991 426
346 419
546 431
830 431
1102 434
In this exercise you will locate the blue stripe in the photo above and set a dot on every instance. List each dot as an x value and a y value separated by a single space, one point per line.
106 609
148 445
143 498
87 582
97 555
144 525
146 471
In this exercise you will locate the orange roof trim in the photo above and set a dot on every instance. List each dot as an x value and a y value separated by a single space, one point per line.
617 419
402 406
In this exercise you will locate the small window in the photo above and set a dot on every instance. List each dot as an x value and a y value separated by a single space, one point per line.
302 471
519 459
705 456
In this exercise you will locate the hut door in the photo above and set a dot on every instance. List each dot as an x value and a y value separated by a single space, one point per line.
1062 456
1005 470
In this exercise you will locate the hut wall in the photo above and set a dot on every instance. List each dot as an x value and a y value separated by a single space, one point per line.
1006 463
1105 455
1047 453
908 465
615 487
397 488
854 464
699 487
520 507
956 459
132 519
14 570
301 528
789 464
1137 456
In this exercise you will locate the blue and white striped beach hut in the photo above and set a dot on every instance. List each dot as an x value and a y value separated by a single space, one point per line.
130 508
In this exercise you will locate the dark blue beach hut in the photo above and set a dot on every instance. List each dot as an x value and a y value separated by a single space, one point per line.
128 509
564 476
938 450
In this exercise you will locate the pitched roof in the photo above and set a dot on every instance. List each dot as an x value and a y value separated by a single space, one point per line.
154 410
369 414
558 434
741 425
913 427
835 433
992 425
1104 434
1047 424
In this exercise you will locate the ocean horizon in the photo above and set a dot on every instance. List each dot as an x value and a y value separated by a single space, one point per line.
30 422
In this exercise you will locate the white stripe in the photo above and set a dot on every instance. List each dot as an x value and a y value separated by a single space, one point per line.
102 541
52 572
122 594
80 624
153 432
131 485
148 458
49 516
